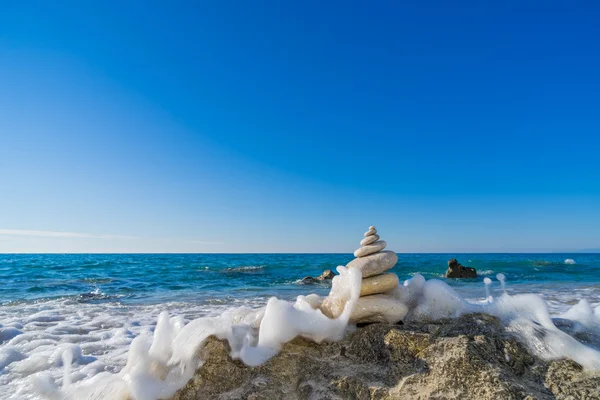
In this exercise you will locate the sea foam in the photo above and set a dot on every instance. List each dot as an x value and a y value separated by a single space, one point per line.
159 363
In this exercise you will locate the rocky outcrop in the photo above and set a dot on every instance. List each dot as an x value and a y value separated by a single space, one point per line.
456 270
470 357
327 275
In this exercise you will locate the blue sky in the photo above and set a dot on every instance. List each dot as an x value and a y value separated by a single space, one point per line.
276 127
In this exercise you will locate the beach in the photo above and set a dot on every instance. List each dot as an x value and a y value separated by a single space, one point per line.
95 305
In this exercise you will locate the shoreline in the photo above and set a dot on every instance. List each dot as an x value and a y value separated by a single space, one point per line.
99 322
471 357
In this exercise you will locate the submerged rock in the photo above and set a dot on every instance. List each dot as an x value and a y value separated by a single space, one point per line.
327 275
456 270
307 280
471 357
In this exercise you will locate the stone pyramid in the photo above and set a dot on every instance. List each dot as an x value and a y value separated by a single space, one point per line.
374 304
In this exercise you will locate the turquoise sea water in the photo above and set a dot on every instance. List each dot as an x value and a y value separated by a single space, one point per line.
130 279
96 304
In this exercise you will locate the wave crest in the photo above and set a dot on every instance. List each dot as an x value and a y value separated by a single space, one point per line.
245 268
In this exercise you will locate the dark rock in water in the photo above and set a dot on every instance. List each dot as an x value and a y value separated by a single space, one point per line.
456 270
307 280
471 357
326 275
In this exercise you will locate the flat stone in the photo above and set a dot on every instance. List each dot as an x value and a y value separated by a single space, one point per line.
378 308
374 264
372 227
370 249
371 232
369 240
378 284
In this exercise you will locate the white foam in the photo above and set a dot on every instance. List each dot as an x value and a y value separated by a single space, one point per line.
438 300
584 315
488 296
67 359
502 278
102 333
8 355
569 261
527 315
89 351
159 364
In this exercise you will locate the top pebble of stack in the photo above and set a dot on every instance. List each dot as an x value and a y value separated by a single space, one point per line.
370 244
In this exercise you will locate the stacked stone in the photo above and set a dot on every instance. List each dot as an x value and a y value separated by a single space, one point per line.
374 304
373 262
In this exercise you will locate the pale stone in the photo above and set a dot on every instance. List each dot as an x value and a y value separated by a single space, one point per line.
372 227
370 249
378 284
374 264
369 240
371 232
332 307
378 308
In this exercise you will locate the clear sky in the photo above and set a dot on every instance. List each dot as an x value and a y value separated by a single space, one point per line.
272 126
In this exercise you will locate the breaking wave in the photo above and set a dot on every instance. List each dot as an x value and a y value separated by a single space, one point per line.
162 360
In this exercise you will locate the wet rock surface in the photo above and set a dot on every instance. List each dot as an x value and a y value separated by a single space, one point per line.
456 270
471 357
327 275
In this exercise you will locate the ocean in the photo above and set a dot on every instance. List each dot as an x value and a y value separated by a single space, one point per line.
96 304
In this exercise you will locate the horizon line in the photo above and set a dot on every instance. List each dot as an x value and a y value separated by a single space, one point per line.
304 252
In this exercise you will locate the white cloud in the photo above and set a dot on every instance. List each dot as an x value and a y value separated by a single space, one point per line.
55 234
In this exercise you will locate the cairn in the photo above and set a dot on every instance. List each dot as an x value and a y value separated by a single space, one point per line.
374 304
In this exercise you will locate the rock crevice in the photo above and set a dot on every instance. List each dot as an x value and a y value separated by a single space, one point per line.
471 357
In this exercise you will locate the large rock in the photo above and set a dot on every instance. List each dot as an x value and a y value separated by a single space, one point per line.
374 264
308 280
470 358
378 284
327 275
378 308
566 380
455 270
